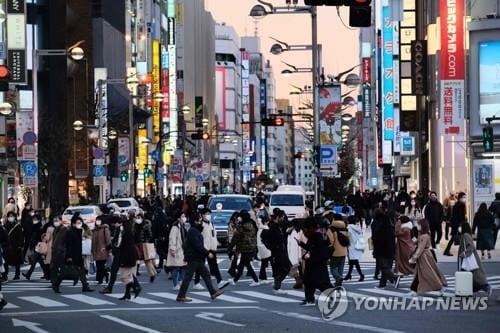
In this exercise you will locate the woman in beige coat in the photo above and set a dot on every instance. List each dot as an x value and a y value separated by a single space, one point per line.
404 247
101 246
175 257
427 274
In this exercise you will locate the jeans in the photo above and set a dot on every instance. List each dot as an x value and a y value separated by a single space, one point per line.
195 266
115 266
436 234
263 266
178 275
385 265
37 258
245 261
337 268
214 269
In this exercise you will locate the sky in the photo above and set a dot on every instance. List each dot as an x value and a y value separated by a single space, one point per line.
340 44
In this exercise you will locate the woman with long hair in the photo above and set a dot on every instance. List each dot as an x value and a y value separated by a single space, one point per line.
485 224
428 277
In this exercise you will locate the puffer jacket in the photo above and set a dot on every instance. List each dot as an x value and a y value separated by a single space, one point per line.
245 238
142 232
338 227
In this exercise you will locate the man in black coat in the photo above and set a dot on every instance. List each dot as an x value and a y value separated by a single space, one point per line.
195 255
316 259
434 214
384 246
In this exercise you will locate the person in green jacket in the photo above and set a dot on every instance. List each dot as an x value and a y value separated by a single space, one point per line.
245 241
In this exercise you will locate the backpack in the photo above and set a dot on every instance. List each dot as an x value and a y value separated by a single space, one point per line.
343 239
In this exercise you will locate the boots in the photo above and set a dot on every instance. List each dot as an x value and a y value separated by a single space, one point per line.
86 288
127 291
348 277
137 287
27 275
106 290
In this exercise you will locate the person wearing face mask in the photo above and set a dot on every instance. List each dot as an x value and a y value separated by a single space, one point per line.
73 257
27 215
48 238
57 250
413 210
195 255
231 229
10 207
210 242
4 246
448 204
428 277
36 237
143 235
405 246
14 255
101 244
175 257
458 216
434 213
245 241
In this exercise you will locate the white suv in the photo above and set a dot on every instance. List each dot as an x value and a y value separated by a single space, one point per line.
127 205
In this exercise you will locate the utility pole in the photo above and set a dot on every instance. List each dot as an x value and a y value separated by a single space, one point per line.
316 112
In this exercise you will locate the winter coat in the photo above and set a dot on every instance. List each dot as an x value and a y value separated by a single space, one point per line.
427 273
194 248
404 248
74 246
383 238
101 242
48 238
127 251
262 251
355 234
175 257
231 229
209 236
36 236
14 255
415 214
466 248
142 232
274 240
4 241
293 248
434 213
485 224
458 216
27 224
245 238
316 271
336 227
58 252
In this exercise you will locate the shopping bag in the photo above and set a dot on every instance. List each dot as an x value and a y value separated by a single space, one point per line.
149 251
86 247
370 244
360 244
41 248
469 263
69 272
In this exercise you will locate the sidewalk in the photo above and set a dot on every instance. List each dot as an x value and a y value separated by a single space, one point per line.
495 254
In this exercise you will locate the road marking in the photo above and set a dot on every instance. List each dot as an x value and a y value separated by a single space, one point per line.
226 298
336 322
29 325
11 306
174 297
88 300
268 297
393 293
138 300
217 319
129 324
45 302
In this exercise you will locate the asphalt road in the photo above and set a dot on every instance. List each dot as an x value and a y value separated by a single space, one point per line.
35 308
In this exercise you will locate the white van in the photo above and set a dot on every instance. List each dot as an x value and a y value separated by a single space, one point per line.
291 199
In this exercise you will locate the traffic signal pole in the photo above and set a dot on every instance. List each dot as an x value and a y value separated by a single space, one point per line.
315 76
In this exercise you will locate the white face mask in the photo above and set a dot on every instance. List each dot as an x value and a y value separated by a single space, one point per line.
419 227
183 219
78 225
32 213
11 219
412 203
36 221
57 223
138 221
98 222
463 200
240 219
208 218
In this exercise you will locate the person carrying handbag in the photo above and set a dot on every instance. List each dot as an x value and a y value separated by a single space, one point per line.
468 260
35 243
143 240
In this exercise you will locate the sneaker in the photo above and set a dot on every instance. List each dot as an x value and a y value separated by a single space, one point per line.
267 282
177 287
398 279
306 303
232 282
183 299
223 284
379 287
279 292
198 287
254 284
217 294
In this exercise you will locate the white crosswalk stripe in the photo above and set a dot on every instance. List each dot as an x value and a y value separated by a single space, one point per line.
225 297
137 300
43 301
266 296
87 299
173 297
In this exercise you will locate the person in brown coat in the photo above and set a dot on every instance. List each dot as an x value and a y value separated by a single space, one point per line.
428 277
101 245
339 240
404 247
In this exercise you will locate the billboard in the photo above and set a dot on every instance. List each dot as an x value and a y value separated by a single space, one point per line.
156 89
387 75
452 67
220 96
330 121
489 80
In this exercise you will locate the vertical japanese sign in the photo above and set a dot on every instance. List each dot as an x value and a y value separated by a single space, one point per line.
452 66
387 75
16 41
220 96
123 153
263 130
156 90
172 74
165 112
198 112
330 121
245 103
396 87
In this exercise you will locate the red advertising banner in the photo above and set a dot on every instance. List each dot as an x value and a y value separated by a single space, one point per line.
367 70
452 39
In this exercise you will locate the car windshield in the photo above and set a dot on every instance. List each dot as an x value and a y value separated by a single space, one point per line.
82 211
220 219
122 203
287 200
230 203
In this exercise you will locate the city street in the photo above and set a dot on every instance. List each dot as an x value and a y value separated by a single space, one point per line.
241 308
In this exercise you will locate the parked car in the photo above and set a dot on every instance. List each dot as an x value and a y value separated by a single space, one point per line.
88 214
222 207
126 205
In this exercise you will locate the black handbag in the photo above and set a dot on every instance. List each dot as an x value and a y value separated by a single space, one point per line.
69 272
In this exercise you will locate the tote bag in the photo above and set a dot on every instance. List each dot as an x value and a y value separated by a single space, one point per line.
86 247
469 263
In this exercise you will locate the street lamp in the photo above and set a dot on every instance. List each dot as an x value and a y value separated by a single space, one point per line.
346 117
5 108
78 125
76 53
295 69
185 109
112 134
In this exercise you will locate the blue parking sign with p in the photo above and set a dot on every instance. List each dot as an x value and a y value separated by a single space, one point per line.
328 155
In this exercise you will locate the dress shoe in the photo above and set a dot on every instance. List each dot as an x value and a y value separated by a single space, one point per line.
217 294
347 277
106 291
183 299
56 289
87 289
361 278
27 276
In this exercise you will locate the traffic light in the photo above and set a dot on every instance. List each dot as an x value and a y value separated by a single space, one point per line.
200 135
124 176
274 121
360 13
4 78
488 139
146 172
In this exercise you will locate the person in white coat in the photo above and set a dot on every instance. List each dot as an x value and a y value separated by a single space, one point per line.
175 256
295 251
263 253
356 248
210 242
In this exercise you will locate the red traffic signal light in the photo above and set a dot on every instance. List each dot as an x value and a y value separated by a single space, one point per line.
274 121
4 78
200 135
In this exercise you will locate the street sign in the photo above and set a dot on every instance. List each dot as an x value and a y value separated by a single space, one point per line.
31 181
99 161
328 155
29 138
98 153
407 146
99 171
30 168
99 180
155 155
